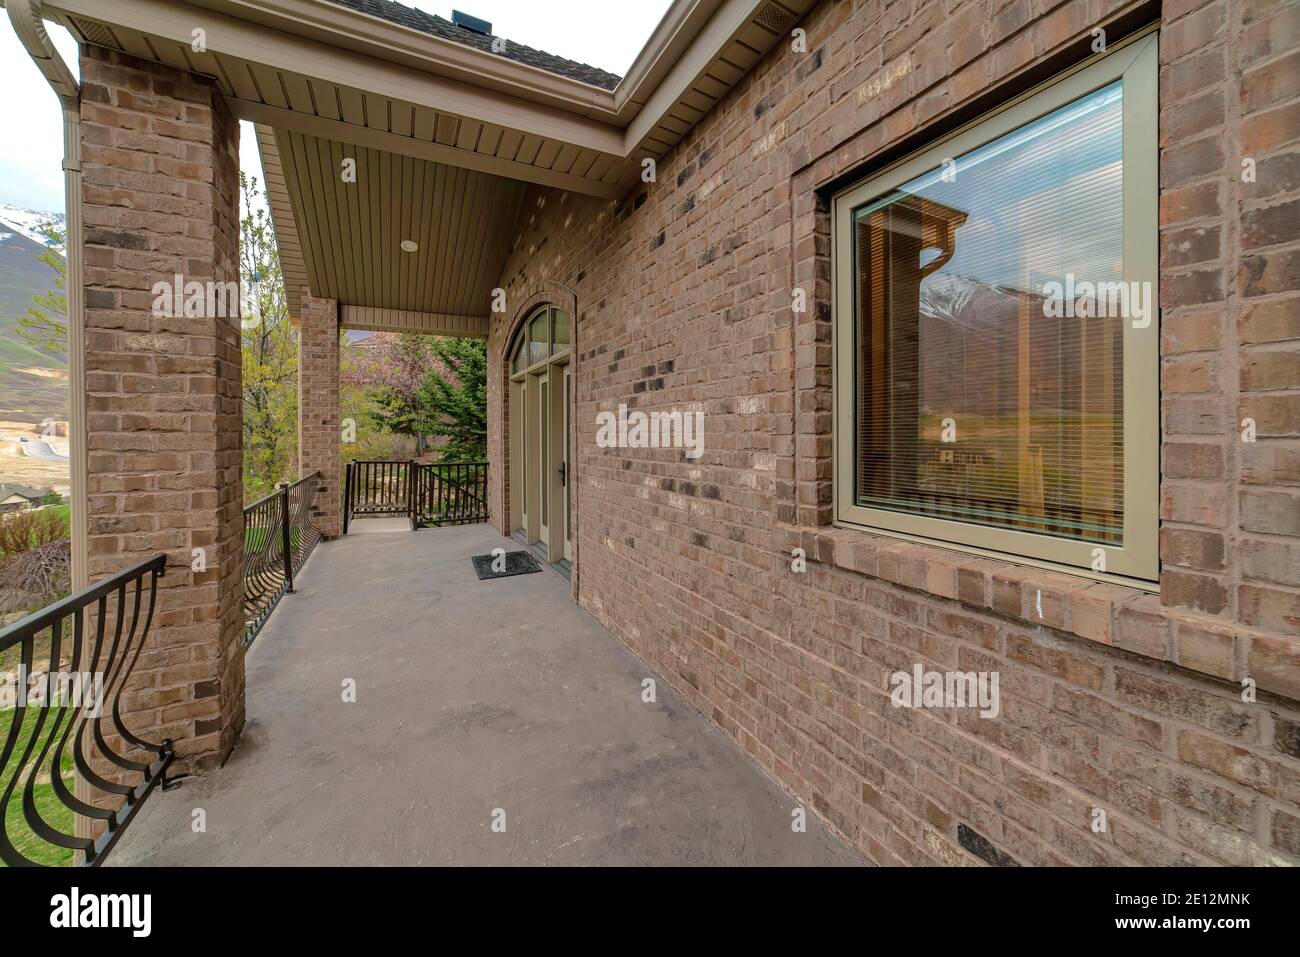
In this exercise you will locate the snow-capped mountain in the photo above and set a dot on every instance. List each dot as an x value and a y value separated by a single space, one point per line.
26 222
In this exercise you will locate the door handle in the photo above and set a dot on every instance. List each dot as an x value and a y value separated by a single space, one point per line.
563 477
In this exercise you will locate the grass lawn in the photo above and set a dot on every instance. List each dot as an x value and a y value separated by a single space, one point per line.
255 538
63 511
51 810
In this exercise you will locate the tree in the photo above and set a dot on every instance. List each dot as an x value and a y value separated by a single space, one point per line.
45 325
454 397
270 353
391 368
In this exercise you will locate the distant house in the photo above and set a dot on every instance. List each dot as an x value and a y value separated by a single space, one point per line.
14 497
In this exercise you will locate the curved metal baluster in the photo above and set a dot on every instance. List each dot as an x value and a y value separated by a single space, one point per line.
78 720
29 753
39 826
8 852
307 533
264 547
80 751
253 587
264 569
118 676
160 748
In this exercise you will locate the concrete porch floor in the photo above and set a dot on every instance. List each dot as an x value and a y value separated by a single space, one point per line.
470 696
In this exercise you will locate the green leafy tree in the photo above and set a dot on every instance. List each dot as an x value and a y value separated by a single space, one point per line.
390 369
45 325
270 354
453 398
397 407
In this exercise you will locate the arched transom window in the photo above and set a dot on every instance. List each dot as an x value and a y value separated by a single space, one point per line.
542 339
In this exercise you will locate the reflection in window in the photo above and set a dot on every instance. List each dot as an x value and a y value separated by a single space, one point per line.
561 327
538 347
974 401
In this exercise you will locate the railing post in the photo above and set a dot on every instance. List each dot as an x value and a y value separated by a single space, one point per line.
347 497
285 537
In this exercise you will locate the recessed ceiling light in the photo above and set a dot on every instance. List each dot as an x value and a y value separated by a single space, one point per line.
409 245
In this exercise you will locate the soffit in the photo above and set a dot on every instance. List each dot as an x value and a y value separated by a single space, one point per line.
290 83
306 72
460 219
317 60
735 38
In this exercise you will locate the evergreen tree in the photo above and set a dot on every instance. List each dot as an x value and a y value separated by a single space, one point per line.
454 398
45 325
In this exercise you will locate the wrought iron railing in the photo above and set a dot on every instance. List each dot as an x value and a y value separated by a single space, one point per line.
278 537
449 493
61 719
375 487
440 493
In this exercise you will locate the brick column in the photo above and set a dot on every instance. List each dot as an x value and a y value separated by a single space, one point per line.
160 197
318 407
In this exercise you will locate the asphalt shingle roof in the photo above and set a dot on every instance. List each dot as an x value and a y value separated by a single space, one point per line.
436 26
26 491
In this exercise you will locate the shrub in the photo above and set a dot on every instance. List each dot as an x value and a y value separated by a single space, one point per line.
34 578
25 530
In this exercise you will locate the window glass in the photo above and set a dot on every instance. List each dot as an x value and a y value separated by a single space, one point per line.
560 325
538 346
981 394
543 432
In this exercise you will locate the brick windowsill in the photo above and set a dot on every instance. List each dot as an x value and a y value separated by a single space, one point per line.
1122 617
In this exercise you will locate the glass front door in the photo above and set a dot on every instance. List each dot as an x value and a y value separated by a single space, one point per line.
539 433
565 469
543 476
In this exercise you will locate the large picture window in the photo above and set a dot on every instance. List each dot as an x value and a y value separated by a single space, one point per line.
996 330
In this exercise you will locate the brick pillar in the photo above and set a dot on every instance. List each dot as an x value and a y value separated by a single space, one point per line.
318 407
160 197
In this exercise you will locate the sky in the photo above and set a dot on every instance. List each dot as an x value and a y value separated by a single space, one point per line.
603 33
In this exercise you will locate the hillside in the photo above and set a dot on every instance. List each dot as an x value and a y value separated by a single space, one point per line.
33 384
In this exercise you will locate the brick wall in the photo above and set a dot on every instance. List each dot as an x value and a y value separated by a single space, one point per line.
318 408
1112 698
160 198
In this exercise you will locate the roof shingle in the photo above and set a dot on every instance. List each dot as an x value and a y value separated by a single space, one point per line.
26 491
436 26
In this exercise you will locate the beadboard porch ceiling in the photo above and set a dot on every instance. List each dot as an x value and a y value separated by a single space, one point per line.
459 220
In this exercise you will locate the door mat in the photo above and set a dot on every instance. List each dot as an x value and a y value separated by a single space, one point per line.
516 563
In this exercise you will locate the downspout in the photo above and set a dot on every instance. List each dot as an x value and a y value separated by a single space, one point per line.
25 16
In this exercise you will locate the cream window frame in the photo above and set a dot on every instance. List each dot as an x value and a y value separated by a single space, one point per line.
1136 561
553 354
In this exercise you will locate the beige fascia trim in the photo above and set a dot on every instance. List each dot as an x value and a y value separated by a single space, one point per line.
363 33
388 59
374 319
229 36
677 31
727 22
350 133
680 25
26 18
